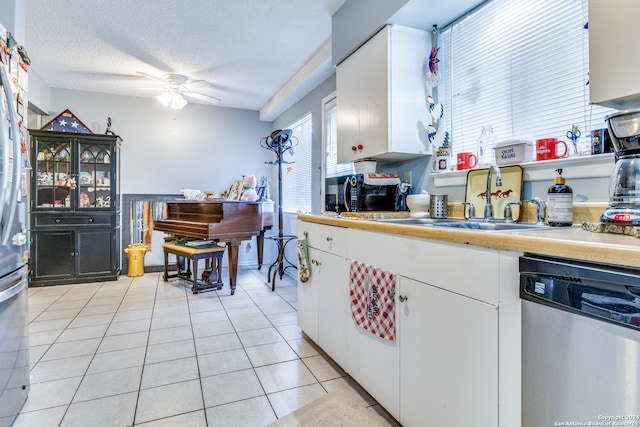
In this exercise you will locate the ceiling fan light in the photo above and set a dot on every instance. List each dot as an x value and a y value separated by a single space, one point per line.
165 99
177 101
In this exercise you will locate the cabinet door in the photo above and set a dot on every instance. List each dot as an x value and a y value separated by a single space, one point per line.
374 363
95 176
363 101
94 253
448 358
53 173
348 88
611 25
333 305
53 253
374 95
308 293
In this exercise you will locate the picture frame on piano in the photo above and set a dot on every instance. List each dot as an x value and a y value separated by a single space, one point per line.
235 191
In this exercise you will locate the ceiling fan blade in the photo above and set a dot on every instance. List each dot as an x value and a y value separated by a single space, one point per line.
196 83
149 76
203 97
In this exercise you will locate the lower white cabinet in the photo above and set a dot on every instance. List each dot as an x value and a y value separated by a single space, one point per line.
333 304
448 358
308 294
374 363
456 357
323 301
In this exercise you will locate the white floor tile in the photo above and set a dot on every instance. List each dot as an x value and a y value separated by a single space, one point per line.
161 402
118 359
109 411
50 417
268 354
122 342
190 419
51 394
170 351
231 387
61 368
178 333
260 336
283 376
287 401
173 371
217 343
71 349
223 362
254 412
111 383
323 368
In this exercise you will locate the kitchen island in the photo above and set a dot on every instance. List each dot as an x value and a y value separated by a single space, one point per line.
456 356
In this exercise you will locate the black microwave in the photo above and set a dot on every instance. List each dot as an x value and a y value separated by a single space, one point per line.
370 192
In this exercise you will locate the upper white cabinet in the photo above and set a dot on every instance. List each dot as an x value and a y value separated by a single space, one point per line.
613 65
382 97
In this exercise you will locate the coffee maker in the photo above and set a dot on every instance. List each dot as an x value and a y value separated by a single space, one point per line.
624 186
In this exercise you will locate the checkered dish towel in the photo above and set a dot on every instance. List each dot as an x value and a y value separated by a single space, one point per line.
373 305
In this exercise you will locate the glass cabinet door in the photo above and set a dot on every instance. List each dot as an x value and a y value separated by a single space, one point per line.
54 180
94 176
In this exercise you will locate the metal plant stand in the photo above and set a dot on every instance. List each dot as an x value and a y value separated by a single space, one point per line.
280 141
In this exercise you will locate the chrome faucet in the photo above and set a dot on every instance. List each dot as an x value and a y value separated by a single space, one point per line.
542 209
488 208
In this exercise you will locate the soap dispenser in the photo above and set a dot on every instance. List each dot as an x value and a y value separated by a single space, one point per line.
560 203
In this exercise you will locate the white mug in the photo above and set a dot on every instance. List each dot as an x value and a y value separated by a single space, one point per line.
441 160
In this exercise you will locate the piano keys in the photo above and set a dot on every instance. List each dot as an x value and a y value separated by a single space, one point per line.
220 220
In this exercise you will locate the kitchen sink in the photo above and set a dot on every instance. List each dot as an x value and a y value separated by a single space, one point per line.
416 221
475 225
491 226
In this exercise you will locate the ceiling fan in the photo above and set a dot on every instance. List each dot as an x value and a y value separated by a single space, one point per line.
177 88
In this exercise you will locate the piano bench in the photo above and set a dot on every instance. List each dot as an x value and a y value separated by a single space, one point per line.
211 278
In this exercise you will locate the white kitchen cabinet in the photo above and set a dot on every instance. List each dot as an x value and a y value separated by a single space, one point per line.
458 336
308 293
448 358
382 97
456 356
375 364
613 75
323 301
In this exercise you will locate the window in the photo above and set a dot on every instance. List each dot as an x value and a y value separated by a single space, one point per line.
521 66
330 136
296 176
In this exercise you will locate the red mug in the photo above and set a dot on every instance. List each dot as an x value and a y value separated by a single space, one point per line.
547 149
467 160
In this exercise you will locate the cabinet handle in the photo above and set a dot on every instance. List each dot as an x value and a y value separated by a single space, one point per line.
359 146
72 254
57 220
354 148
90 220
329 239
403 298
314 262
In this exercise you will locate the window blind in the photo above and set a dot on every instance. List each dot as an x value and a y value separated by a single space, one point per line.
296 176
521 66
330 135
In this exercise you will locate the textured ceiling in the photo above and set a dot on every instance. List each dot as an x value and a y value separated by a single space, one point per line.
245 49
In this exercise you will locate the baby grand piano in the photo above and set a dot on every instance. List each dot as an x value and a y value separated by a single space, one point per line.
220 220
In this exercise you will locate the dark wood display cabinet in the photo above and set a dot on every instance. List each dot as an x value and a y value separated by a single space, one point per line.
75 212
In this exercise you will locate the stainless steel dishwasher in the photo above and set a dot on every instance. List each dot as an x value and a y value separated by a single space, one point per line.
580 343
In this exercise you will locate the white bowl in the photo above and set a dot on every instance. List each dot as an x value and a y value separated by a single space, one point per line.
418 204
365 166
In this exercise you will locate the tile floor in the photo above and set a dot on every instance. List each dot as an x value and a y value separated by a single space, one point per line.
141 351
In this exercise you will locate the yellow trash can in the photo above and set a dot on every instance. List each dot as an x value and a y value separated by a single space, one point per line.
135 256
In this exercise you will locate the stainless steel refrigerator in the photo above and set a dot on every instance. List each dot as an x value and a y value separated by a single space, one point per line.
14 336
